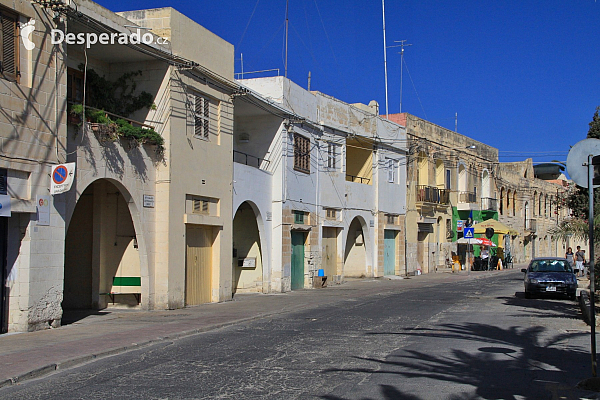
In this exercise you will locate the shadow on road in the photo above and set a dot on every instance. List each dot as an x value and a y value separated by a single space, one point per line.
551 306
507 363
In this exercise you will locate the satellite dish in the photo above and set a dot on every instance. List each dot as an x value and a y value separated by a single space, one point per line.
578 156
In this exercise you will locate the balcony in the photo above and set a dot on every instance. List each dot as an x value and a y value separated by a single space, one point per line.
489 204
250 160
530 225
431 194
467 201
358 179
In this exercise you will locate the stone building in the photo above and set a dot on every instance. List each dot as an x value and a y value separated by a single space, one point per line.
147 221
449 178
33 131
532 206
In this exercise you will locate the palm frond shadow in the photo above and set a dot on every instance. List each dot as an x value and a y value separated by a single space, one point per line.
510 363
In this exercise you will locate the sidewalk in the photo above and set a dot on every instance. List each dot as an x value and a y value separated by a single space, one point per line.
111 331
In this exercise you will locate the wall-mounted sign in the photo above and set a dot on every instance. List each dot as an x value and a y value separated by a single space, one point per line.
5 205
43 210
459 225
148 201
61 178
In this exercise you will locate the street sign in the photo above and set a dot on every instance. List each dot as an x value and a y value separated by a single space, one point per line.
578 158
43 210
469 233
459 225
5 205
62 176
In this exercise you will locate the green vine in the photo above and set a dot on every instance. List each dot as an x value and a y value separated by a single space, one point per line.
116 97
124 128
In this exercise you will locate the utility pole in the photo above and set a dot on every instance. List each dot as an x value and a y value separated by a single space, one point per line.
455 122
287 6
309 81
385 59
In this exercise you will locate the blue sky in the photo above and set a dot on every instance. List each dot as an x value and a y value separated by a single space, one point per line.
523 76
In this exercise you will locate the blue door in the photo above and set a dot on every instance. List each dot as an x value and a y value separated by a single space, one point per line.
389 252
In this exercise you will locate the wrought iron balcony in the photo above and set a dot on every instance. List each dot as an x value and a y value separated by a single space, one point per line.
489 204
431 194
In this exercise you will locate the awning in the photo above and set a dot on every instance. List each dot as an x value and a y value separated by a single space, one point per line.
499 227
477 241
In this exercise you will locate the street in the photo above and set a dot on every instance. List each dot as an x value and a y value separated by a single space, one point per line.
477 338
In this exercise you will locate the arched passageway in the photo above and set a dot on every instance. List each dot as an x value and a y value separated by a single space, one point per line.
355 257
102 260
247 253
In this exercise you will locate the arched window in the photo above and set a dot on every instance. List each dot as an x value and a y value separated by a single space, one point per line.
501 201
514 202
533 202
508 202
546 205
540 205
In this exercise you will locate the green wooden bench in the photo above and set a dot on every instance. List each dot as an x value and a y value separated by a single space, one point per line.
125 282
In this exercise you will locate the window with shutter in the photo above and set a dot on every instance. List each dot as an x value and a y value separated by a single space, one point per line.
331 213
200 206
299 217
301 153
391 169
201 117
9 51
332 152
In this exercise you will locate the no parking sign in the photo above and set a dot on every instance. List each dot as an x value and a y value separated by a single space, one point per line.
61 178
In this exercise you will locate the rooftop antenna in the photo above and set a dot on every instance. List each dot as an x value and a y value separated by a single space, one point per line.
402 45
385 59
287 6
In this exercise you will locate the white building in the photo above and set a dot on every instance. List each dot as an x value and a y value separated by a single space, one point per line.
318 184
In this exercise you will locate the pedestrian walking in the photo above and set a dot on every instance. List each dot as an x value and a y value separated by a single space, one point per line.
569 255
580 261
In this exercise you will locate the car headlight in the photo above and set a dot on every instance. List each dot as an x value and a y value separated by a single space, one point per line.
533 281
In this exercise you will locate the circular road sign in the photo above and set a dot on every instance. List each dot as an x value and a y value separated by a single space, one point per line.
60 174
578 156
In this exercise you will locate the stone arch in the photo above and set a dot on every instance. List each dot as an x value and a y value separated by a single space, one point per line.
98 223
357 248
249 242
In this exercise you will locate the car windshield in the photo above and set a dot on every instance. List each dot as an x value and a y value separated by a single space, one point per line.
550 266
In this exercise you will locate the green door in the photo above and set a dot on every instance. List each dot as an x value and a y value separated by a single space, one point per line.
389 252
297 260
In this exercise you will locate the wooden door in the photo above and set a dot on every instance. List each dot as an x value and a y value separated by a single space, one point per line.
297 272
330 251
199 241
389 252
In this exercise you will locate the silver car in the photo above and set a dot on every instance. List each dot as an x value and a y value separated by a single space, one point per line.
551 275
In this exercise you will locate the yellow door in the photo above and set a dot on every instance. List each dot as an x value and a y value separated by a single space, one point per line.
330 251
199 241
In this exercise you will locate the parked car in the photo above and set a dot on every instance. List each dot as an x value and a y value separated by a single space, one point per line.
551 275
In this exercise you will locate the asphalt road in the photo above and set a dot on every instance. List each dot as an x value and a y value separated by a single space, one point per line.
475 339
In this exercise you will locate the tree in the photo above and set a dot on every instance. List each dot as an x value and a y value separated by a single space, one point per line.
594 131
